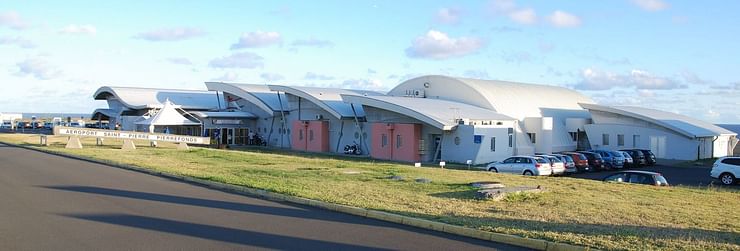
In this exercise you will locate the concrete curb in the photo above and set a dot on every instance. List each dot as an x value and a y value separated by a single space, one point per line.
368 213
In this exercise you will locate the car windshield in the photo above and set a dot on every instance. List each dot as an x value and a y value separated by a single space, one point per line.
555 160
568 158
541 160
660 180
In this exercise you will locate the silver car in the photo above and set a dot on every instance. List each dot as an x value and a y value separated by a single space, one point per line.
524 165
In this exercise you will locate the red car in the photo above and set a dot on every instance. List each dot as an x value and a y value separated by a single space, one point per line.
580 159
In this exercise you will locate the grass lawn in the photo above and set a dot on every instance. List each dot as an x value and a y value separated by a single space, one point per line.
576 211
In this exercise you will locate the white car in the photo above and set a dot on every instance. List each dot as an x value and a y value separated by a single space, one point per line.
558 167
726 169
525 165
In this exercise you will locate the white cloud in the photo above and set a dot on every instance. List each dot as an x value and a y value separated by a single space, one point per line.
562 19
79 29
37 67
371 71
238 60
437 45
227 77
646 93
182 61
257 39
20 42
315 76
651 5
524 16
171 34
270 77
448 15
13 20
313 42
737 86
363 84
692 78
593 79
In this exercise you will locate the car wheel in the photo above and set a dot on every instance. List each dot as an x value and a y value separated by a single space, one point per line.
528 173
493 169
727 179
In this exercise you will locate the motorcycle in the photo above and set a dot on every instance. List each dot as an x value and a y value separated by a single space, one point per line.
353 148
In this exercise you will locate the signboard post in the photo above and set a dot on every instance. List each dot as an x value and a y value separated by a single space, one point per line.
127 136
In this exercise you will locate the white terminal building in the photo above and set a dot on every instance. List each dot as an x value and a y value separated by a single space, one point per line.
425 119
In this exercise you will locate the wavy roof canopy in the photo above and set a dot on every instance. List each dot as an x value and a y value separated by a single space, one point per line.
329 99
689 127
146 98
438 113
260 95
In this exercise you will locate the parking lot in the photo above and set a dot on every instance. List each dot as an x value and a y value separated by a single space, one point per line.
686 176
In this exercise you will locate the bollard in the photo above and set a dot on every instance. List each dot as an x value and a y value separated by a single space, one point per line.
44 141
99 141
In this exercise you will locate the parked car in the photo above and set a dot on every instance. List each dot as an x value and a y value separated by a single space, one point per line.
48 125
22 124
638 177
594 160
525 165
628 161
570 164
612 159
580 160
726 169
649 157
638 158
558 167
7 125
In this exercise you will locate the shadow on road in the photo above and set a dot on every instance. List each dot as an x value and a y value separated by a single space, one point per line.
292 211
231 235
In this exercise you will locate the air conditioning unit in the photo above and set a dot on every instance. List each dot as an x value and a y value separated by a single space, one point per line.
319 117
416 93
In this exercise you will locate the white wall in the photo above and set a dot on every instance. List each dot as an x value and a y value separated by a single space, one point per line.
479 153
665 144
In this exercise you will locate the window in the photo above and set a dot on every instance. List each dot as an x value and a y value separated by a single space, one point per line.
493 144
533 137
398 140
620 139
510 160
457 140
731 161
384 140
620 177
635 140
511 140
605 139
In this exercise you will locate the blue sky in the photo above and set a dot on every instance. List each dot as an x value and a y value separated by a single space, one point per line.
678 56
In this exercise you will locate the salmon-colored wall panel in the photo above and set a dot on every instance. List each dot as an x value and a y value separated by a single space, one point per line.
405 150
318 136
409 136
377 150
298 136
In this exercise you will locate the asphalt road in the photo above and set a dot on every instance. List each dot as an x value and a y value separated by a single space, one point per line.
55 203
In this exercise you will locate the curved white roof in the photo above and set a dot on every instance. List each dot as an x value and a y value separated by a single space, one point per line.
105 113
438 113
690 127
329 99
144 98
517 100
167 116
260 95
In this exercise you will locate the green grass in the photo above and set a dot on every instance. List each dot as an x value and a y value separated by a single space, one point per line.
576 211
